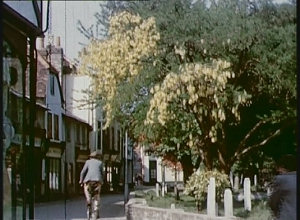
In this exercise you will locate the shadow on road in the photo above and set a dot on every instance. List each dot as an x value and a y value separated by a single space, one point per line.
111 206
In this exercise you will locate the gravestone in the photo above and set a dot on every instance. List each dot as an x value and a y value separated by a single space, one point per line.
228 203
172 206
236 184
157 189
231 178
163 189
241 180
247 194
211 197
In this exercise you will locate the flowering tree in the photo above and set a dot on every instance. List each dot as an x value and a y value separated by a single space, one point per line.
118 59
214 83
203 91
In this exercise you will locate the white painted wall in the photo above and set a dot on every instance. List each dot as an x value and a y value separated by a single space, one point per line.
169 172
75 96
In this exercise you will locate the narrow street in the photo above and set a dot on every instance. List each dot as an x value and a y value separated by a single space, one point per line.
112 207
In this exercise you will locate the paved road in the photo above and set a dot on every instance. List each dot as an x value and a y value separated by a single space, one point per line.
111 208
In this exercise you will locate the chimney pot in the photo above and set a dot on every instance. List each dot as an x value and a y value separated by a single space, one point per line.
40 43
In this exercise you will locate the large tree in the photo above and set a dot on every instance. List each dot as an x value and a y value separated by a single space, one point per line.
218 83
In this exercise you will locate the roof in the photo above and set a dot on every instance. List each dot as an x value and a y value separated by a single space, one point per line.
27 99
71 116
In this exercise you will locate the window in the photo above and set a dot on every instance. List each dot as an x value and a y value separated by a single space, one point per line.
49 125
84 135
119 140
68 132
52 85
99 135
106 139
78 134
113 138
56 127
152 168
54 174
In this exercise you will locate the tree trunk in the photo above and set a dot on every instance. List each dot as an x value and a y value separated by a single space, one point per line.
187 166
225 165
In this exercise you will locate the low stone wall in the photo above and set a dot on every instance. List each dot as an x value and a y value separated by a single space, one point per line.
136 209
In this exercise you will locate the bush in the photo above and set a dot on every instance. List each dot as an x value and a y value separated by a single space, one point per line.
198 182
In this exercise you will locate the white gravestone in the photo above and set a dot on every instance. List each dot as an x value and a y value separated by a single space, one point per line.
231 178
157 189
211 197
228 203
163 190
247 194
236 184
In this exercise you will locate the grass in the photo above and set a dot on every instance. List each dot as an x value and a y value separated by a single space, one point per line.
260 210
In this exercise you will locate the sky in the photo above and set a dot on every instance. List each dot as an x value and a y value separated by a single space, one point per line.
64 18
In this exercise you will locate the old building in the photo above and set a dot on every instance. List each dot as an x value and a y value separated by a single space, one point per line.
22 23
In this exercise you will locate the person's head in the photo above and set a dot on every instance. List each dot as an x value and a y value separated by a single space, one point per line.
287 163
95 154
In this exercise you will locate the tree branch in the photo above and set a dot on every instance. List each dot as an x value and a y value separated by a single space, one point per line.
243 142
238 154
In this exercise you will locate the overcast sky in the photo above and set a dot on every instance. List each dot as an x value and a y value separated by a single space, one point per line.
65 15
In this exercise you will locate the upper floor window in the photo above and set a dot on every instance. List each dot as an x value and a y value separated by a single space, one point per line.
83 135
56 127
68 132
106 138
52 78
113 138
119 140
99 135
49 125
78 134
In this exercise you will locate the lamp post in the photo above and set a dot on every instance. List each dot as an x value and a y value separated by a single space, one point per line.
126 169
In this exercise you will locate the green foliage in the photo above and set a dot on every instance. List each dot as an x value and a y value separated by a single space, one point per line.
257 37
198 183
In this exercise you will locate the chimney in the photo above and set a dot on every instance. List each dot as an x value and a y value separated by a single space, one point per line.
40 43
57 42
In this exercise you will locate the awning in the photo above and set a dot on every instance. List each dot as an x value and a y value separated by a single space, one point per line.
54 152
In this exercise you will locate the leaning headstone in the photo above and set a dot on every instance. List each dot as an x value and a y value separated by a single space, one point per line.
157 189
241 180
172 206
247 194
255 182
211 197
231 178
236 184
228 203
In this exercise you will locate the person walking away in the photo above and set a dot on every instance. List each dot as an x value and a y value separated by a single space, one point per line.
91 178
282 200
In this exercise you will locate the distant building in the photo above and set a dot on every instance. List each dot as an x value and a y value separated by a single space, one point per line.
154 170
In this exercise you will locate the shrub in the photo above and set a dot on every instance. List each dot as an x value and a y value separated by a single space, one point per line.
198 182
